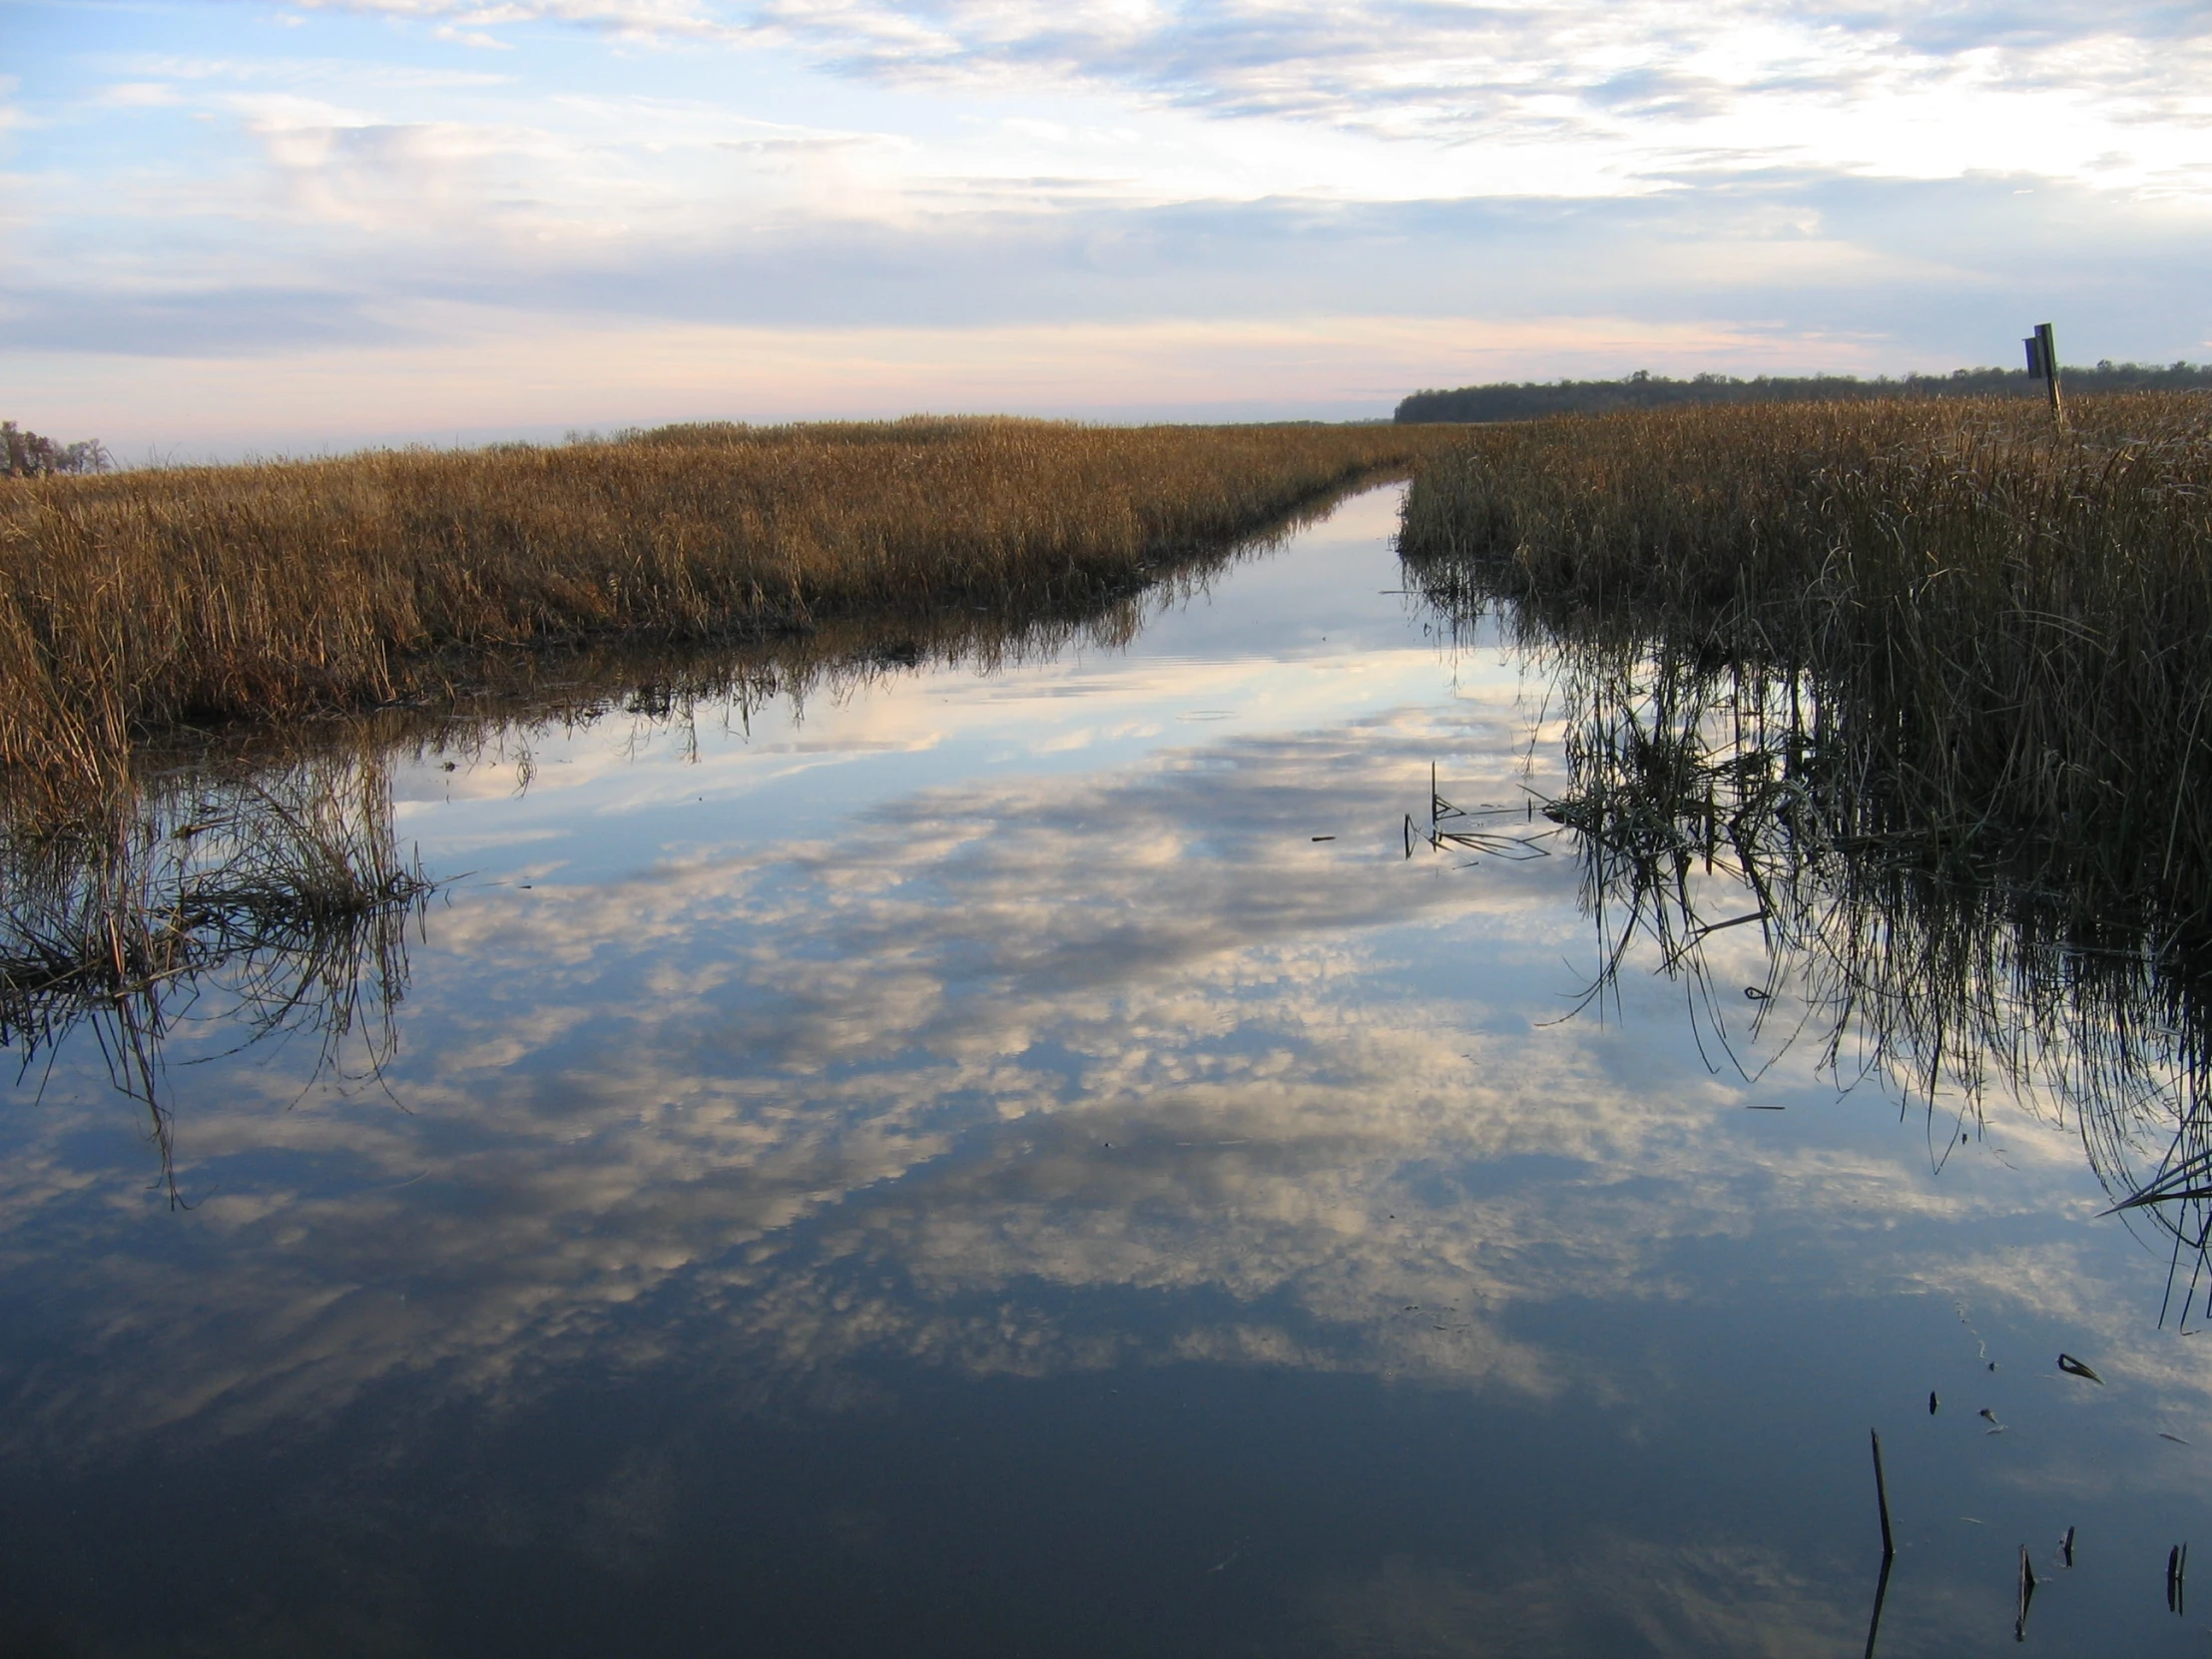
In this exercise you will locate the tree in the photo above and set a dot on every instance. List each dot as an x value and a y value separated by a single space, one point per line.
27 455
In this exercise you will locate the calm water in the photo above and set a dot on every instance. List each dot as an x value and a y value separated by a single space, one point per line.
967 1168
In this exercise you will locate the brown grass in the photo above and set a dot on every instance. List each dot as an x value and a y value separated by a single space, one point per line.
2007 634
1923 691
131 603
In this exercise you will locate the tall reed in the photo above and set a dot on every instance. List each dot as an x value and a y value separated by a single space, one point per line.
2015 626
133 602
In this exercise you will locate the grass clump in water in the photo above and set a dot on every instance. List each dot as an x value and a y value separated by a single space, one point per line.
1723 841
274 904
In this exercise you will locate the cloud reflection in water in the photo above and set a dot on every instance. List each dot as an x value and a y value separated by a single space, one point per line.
1044 1076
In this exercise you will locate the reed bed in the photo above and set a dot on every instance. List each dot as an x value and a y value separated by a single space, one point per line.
2009 630
1917 696
135 603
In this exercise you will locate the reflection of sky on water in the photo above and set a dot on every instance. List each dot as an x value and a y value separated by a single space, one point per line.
970 1160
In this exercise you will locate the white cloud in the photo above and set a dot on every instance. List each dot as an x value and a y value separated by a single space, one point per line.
1661 86
1743 187
140 95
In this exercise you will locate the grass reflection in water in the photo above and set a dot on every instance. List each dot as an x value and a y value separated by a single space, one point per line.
276 904
249 879
1735 832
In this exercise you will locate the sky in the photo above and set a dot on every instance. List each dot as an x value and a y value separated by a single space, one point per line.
230 226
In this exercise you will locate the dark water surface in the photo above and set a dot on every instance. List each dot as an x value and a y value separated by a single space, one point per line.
968 1171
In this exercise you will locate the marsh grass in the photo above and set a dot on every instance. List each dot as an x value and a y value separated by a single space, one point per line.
248 878
2015 627
1916 697
137 603
272 906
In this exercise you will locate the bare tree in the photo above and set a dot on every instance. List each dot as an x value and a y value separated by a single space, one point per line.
30 457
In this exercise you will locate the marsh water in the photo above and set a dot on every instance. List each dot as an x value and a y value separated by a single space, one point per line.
1090 1152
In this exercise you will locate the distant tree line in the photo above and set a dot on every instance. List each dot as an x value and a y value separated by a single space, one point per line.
27 455
1529 398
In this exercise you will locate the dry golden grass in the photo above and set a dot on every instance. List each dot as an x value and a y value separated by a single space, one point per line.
1924 691
133 602
2007 633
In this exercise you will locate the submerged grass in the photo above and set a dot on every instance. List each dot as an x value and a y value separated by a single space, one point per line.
133 603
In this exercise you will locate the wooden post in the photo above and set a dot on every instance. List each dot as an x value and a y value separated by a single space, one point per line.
2046 350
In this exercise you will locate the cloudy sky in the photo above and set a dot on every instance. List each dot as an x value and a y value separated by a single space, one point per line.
233 223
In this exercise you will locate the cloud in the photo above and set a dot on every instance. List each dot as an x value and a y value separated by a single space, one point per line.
1545 189
627 19
382 177
427 372
1656 85
140 95
371 322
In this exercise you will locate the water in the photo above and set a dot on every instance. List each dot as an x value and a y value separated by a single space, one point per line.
1024 1163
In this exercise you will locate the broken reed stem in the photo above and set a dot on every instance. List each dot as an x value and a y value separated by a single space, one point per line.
1882 1498
1881 1595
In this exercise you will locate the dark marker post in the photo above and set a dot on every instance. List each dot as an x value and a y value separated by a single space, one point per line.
2043 364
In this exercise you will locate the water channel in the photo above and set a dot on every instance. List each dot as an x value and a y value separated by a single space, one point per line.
1050 1158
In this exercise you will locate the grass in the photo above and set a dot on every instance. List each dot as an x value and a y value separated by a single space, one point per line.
276 902
1918 697
2008 633
135 603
